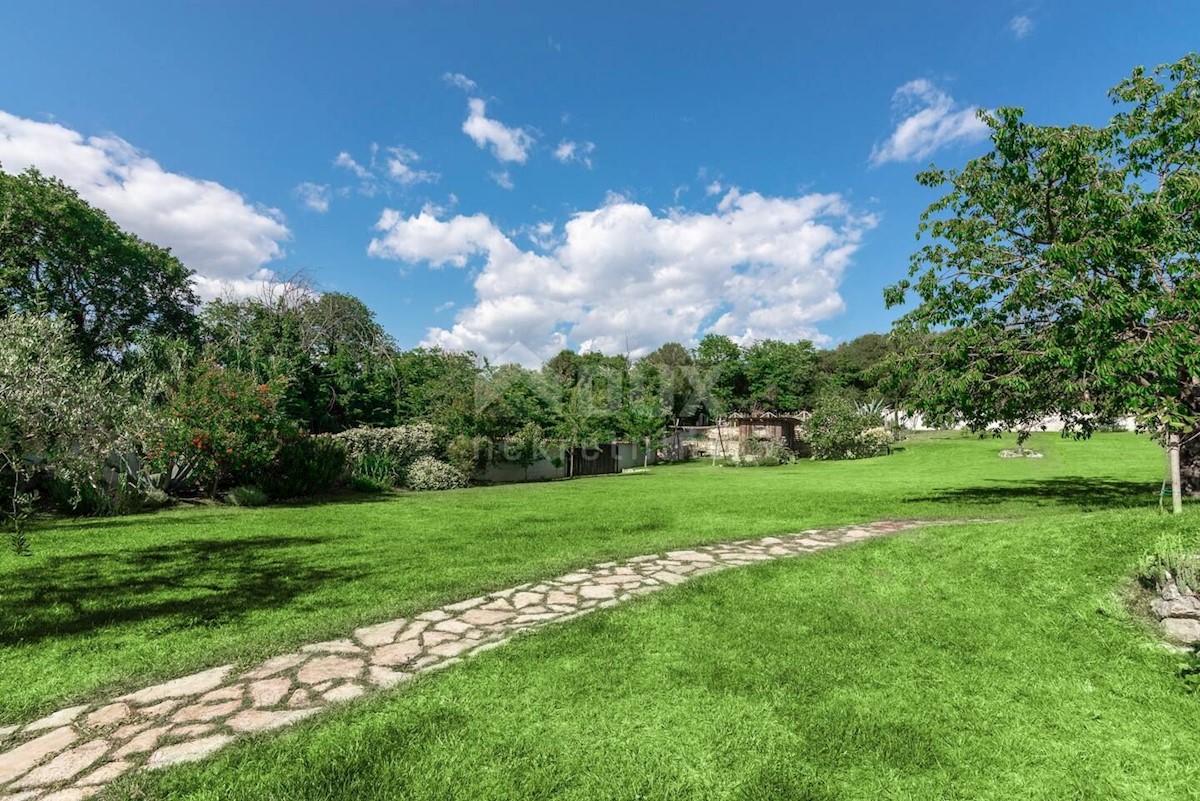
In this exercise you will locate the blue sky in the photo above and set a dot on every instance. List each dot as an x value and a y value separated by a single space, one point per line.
515 177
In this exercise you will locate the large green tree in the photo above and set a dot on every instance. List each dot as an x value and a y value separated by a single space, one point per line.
1063 268
781 376
60 256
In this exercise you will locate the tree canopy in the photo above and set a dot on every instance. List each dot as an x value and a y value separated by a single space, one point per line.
1062 269
61 257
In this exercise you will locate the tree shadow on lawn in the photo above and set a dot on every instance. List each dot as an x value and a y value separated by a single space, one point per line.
1085 494
184 585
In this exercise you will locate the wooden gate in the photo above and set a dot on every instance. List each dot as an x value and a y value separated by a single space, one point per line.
594 461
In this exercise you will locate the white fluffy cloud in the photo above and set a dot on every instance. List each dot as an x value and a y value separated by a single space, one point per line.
502 178
315 197
1020 26
211 228
930 120
621 278
507 144
569 151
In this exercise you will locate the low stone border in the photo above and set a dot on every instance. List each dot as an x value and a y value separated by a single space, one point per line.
73 753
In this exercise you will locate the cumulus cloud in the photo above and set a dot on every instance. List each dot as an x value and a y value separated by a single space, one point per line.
506 144
459 80
346 161
213 230
569 151
1020 26
929 121
713 189
315 197
621 276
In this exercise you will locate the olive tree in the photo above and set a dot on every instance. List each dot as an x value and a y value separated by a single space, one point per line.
1062 270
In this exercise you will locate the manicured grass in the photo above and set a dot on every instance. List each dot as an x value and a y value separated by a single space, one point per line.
120 603
985 661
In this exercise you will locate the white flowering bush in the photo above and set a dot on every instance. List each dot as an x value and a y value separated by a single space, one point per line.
428 473
385 455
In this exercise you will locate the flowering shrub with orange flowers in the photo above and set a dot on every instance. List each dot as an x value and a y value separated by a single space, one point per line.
225 424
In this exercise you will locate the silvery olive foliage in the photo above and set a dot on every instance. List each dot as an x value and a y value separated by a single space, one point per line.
60 417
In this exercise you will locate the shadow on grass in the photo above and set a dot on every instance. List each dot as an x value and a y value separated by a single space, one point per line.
182 585
1073 492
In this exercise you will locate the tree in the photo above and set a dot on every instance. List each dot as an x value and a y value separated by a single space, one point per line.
781 376
61 257
59 415
722 362
644 419
1064 269
676 378
526 446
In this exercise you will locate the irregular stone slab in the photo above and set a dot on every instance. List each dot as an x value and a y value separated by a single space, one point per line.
452 626
414 630
188 685
343 693
160 709
65 765
269 692
523 599
690 556
329 667
333 647
596 591
559 597
276 664
260 720
128 730
387 678
396 654
300 698
108 715
197 712
436 616
106 773
436 637
223 694
186 752
380 634
1183 629
452 648
60 718
574 578
486 617
142 742
17 761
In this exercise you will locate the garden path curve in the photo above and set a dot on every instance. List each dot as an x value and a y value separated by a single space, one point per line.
73 753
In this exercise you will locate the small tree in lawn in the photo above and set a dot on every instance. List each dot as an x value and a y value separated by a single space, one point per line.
1063 273
526 446
645 420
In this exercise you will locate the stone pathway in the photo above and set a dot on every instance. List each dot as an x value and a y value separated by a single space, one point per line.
73 753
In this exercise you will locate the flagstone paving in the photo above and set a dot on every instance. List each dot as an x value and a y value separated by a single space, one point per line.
73 753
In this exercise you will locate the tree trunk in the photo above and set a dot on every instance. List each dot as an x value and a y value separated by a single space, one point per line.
1173 439
646 454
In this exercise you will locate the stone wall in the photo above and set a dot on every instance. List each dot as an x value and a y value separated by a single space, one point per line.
1178 612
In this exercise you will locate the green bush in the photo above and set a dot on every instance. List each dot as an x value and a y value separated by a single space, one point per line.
838 429
246 496
305 466
224 423
428 473
368 485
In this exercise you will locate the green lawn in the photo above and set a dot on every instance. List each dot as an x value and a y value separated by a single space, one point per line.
118 603
964 662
